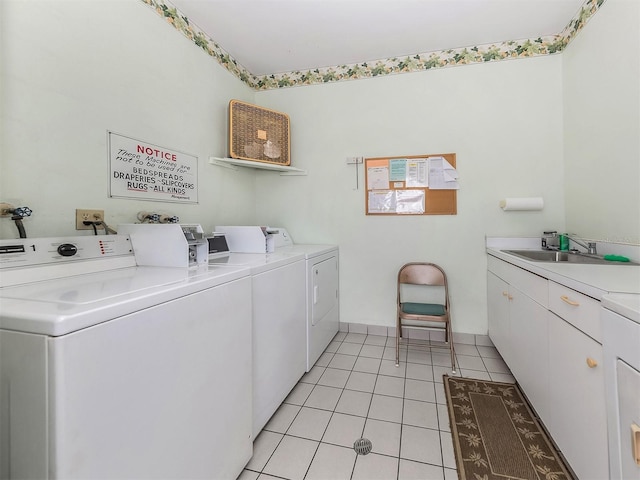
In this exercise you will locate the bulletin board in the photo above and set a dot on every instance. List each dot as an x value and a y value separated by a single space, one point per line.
411 185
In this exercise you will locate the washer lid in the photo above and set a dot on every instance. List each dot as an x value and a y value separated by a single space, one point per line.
308 250
257 262
95 287
57 307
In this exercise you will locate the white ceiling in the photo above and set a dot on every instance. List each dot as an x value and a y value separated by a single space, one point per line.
275 36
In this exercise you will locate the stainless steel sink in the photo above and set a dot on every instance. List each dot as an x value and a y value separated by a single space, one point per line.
568 257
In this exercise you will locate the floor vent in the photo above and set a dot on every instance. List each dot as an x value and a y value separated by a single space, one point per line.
362 446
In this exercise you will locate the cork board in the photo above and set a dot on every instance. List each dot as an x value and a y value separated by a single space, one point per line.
411 185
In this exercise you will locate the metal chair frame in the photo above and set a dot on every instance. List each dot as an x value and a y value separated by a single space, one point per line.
425 274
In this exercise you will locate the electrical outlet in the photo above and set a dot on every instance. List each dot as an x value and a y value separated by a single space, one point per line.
5 208
84 215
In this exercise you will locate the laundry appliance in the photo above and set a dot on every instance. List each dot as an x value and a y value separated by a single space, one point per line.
620 317
278 306
322 290
167 245
113 370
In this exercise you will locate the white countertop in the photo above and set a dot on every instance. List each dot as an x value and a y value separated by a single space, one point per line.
593 280
625 304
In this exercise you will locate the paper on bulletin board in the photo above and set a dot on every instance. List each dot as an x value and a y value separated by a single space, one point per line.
398 167
145 171
382 201
396 202
417 173
378 175
442 175
410 202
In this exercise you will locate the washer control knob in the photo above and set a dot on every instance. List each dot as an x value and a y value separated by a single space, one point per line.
67 249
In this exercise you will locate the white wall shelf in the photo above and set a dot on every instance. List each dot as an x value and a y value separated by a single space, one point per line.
233 163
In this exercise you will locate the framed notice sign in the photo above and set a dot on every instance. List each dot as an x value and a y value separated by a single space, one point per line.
145 171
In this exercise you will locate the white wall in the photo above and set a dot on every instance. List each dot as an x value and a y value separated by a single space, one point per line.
73 70
504 122
601 70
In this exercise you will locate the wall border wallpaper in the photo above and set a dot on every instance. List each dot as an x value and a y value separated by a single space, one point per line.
469 55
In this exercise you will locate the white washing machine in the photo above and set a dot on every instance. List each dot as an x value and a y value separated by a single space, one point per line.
621 351
109 370
278 329
322 291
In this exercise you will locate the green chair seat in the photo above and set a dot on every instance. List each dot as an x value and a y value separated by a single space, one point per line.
423 309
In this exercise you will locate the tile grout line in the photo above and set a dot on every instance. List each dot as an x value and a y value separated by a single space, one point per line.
379 372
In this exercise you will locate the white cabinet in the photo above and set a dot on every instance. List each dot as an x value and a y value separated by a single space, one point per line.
576 390
550 337
576 380
518 327
529 338
498 313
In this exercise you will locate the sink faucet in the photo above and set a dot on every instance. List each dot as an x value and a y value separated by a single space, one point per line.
590 247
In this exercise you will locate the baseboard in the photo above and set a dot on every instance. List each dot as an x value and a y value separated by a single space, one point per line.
459 337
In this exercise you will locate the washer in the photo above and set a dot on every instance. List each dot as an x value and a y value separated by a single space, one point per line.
620 317
109 370
278 331
322 291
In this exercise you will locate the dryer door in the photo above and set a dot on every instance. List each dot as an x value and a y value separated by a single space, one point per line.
629 418
324 288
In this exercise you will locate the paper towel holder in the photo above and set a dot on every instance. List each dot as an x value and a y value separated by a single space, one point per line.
522 203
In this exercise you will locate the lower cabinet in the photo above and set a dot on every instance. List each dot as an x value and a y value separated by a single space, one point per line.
549 336
517 314
530 340
498 314
577 421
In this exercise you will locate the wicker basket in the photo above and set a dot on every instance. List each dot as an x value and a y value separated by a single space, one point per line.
258 134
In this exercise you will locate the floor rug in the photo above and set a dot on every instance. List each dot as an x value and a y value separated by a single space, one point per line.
495 434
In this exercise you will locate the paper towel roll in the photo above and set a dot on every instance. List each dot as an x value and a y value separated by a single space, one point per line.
524 203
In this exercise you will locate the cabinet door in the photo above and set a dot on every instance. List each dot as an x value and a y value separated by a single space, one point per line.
576 389
498 312
530 341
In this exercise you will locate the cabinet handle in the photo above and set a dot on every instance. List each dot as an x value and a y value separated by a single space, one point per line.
510 297
566 299
505 294
635 442
591 362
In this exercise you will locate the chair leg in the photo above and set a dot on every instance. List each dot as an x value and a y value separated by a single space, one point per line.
398 330
451 348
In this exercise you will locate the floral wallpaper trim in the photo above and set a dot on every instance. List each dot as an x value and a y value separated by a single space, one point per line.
181 23
413 63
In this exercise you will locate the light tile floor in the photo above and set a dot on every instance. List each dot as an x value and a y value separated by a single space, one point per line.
355 390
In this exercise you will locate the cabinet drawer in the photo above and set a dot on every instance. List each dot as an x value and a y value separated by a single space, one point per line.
530 284
579 310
